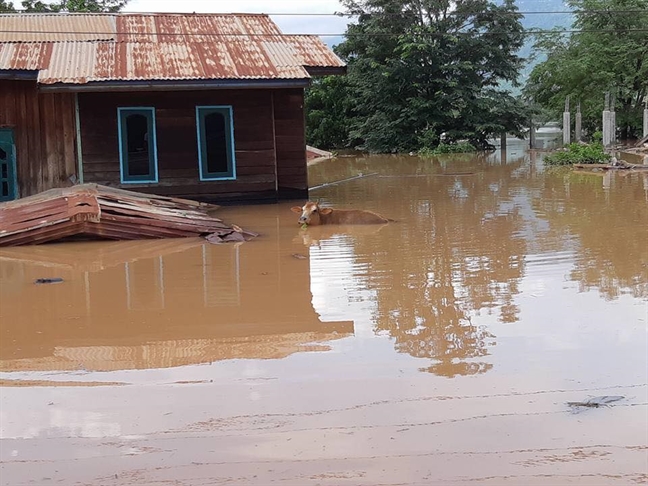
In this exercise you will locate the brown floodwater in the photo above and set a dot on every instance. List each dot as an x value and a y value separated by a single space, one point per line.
441 348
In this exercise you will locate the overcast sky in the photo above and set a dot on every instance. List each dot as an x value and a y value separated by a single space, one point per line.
288 24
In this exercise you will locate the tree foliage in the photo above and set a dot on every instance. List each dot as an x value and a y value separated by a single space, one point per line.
65 6
423 71
328 112
6 6
610 53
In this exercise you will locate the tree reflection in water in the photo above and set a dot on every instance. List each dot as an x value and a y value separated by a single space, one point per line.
454 253
462 243
612 253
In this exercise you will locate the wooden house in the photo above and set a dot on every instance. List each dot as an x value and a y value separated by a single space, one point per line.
204 106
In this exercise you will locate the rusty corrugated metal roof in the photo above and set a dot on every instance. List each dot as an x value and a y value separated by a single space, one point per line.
81 209
140 47
176 28
28 56
56 27
78 63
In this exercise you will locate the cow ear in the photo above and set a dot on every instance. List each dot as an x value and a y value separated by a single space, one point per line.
296 209
325 210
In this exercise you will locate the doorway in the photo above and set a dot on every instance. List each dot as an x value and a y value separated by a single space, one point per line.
8 182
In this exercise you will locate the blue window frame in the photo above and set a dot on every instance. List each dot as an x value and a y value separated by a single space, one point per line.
216 154
137 145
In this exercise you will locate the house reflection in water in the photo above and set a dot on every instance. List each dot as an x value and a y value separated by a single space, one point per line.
156 304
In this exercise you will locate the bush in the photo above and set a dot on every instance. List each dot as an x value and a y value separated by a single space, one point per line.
449 148
597 137
576 153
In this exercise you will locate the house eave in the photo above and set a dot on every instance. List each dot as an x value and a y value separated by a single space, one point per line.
18 74
326 70
177 85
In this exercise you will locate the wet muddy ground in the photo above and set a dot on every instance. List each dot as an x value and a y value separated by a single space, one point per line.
443 348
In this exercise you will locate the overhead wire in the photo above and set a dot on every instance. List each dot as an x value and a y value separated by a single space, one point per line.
454 12
349 14
527 32
340 34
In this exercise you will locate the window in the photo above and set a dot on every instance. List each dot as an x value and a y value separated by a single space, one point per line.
215 142
137 145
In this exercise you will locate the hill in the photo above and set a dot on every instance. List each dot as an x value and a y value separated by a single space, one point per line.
546 21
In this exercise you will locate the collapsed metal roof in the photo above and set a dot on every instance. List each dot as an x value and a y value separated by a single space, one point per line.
78 49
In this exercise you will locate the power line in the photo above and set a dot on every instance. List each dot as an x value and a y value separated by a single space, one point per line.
530 32
535 12
339 14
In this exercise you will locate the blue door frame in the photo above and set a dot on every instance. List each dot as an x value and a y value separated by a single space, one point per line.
8 181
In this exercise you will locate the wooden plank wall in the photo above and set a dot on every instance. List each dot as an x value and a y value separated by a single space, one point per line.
290 136
177 144
44 132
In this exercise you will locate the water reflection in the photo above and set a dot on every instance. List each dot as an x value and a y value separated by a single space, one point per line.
467 227
156 305
607 215
454 251
472 236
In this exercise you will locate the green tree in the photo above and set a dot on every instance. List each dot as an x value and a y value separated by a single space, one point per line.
6 6
420 69
609 53
328 112
66 6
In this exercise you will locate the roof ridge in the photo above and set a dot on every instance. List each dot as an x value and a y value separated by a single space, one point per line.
54 14
126 14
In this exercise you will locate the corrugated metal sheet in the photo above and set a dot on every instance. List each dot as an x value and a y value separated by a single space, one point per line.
79 63
56 28
167 47
311 51
191 27
29 57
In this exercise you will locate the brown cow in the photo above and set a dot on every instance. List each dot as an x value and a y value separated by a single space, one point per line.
313 214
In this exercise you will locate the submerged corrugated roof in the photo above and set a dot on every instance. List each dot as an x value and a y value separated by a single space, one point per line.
82 48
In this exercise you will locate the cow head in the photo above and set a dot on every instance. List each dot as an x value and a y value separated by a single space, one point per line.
310 213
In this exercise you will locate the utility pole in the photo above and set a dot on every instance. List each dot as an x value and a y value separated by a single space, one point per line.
579 124
613 111
607 122
566 124
532 135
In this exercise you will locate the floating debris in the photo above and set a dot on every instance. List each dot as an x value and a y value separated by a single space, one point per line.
48 280
314 155
236 235
614 165
597 402
101 212
299 256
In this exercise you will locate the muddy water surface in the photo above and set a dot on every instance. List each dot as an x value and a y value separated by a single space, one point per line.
441 348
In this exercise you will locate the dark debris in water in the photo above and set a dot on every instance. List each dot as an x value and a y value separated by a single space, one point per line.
597 402
48 280
235 235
